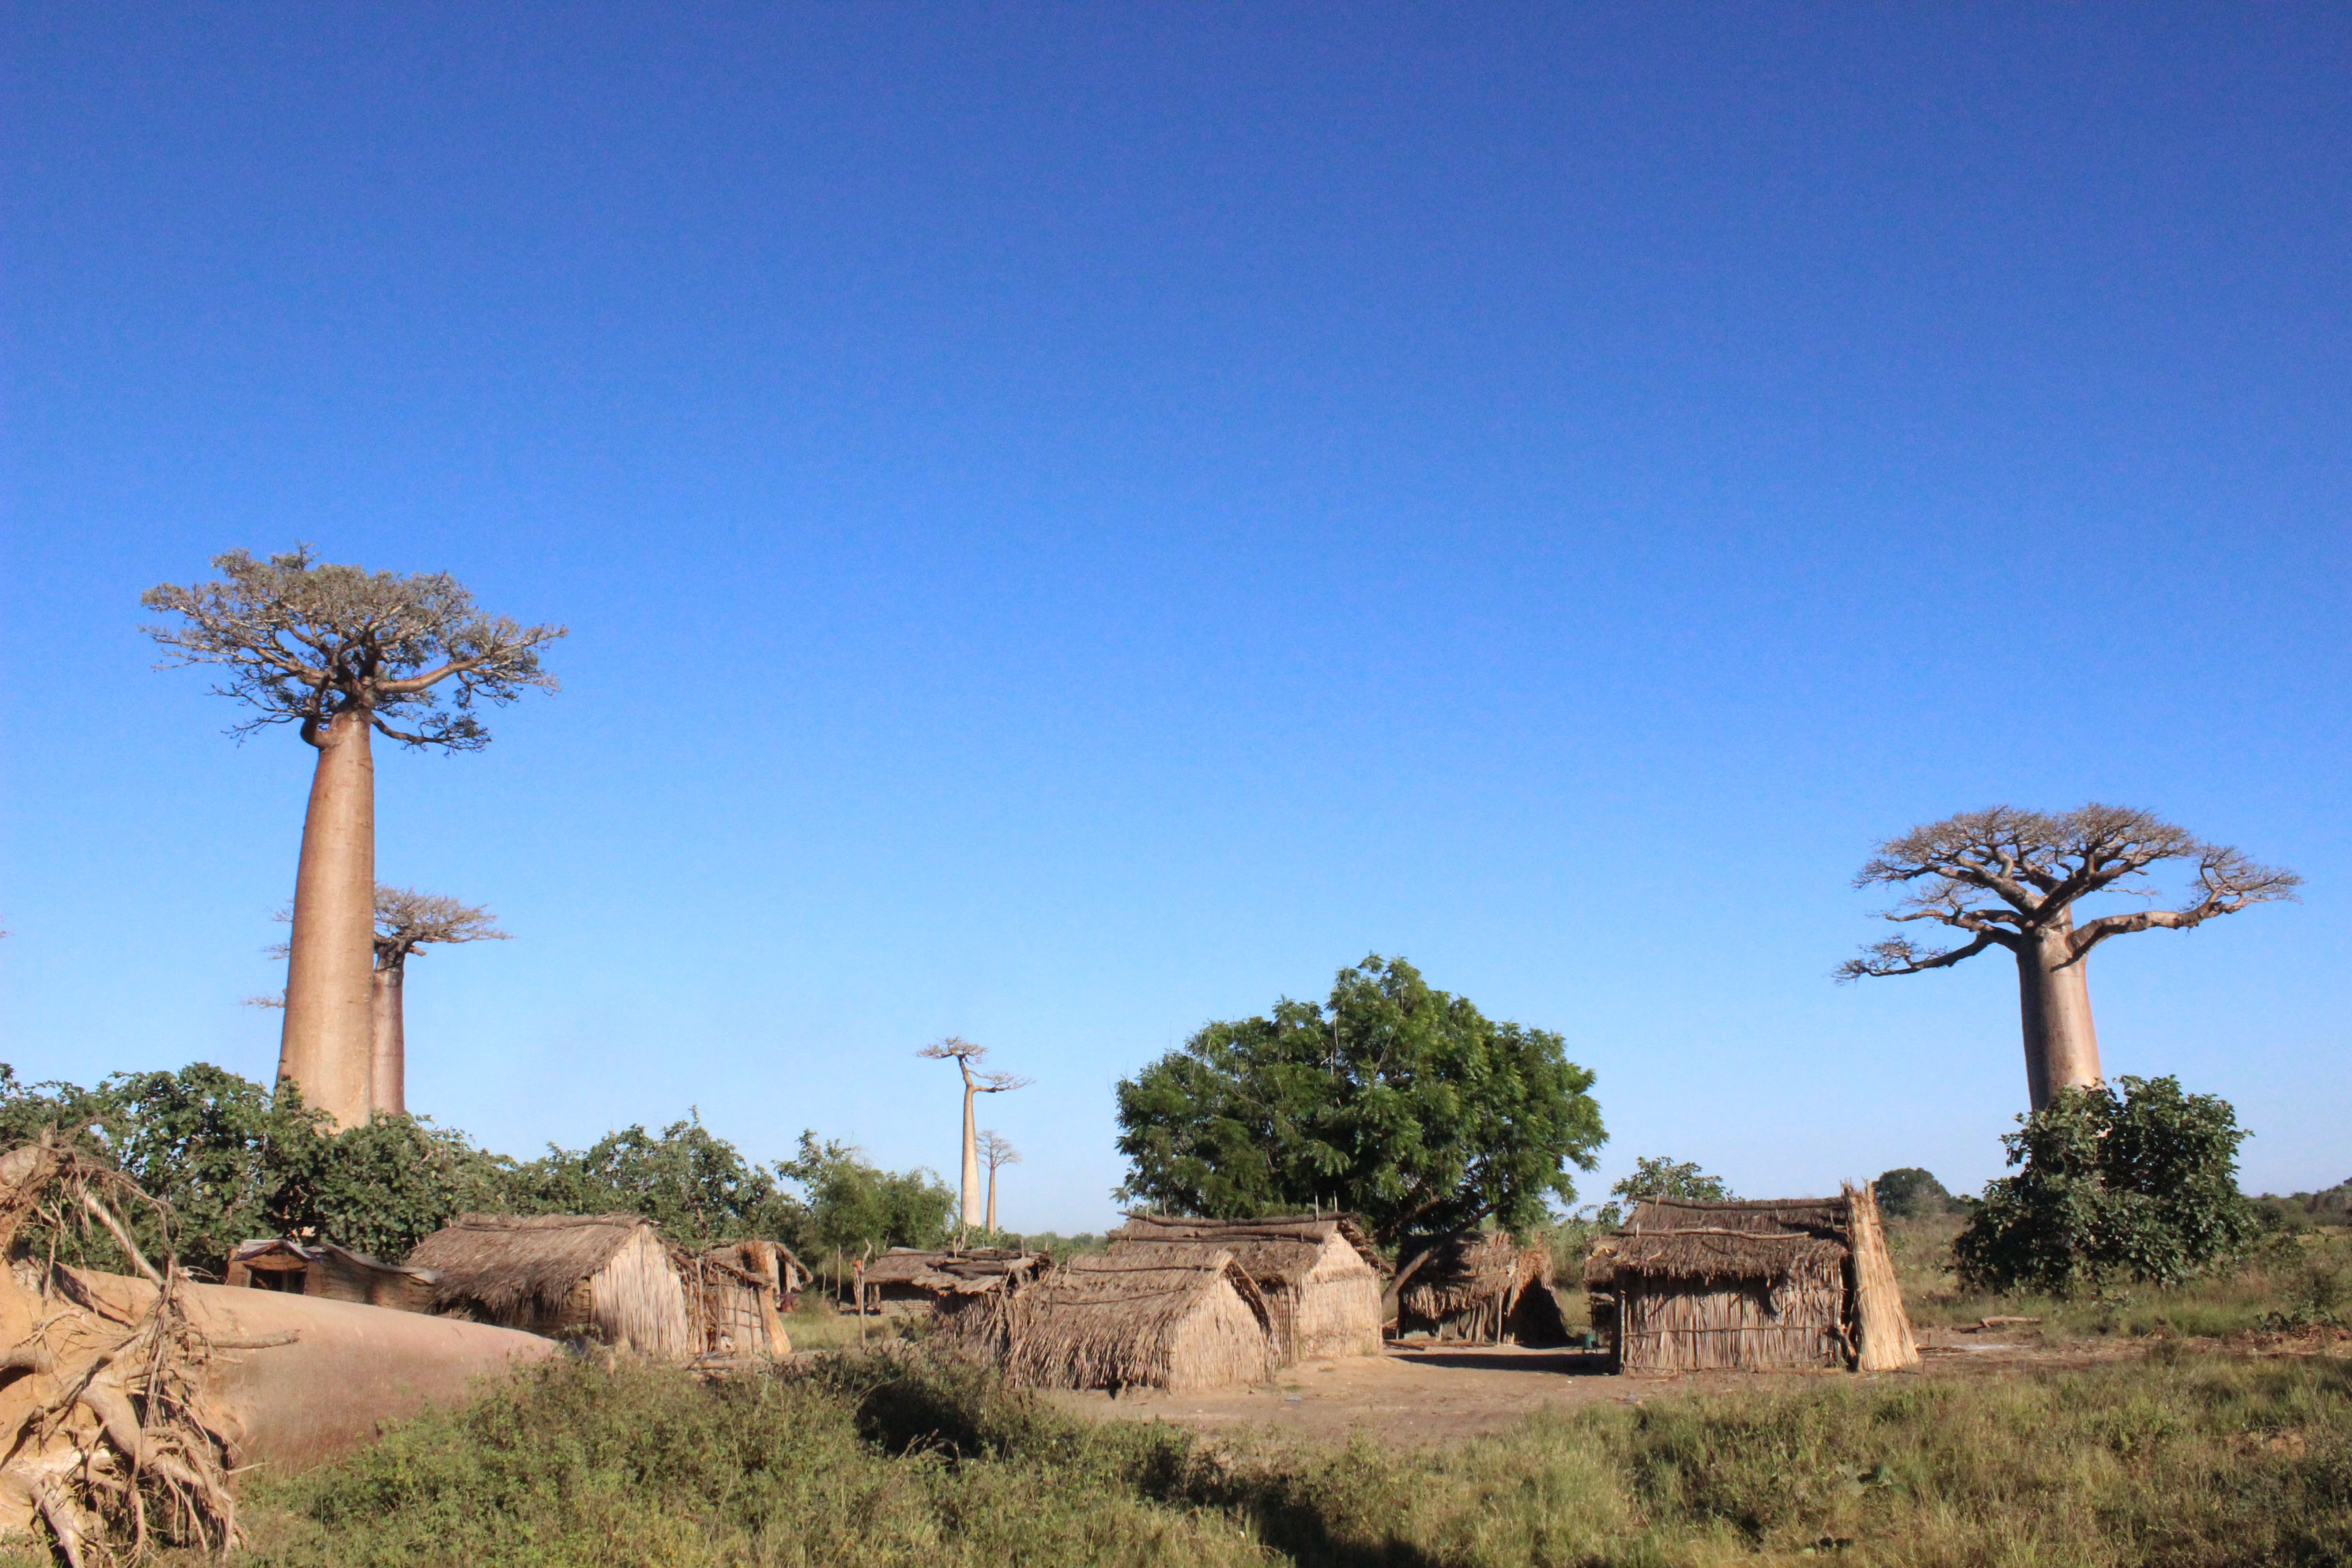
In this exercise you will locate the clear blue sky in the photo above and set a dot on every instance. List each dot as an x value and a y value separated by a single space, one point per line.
1078 520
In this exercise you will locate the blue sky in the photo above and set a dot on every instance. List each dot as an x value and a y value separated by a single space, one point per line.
1079 520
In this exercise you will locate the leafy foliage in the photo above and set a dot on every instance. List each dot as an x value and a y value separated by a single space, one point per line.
852 1205
693 1185
2140 1186
1397 1100
1910 1193
1661 1176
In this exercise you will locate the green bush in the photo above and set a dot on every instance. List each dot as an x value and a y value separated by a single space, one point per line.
1910 1193
2140 1185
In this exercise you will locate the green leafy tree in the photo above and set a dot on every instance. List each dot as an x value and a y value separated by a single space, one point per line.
1661 1176
1910 1193
852 1205
2141 1185
693 1185
1396 1100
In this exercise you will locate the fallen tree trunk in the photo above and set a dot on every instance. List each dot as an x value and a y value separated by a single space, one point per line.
126 1402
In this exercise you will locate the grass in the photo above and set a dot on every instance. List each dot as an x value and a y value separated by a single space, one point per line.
2186 1456
2301 1278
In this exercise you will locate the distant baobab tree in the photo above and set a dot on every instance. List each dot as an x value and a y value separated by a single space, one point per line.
341 652
405 921
2011 878
963 1053
995 1151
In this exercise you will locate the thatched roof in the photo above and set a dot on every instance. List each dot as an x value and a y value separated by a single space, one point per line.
973 1271
499 1262
1765 1240
1114 1319
1472 1269
1279 1248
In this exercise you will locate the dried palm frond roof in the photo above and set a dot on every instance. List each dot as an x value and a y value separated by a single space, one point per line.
1276 1246
1108 1318
1472 1269
502 1262
1762 1240
966 1272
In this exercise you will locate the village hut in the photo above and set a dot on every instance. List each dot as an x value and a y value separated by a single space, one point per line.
1319 1274
909 1280
1484 1288
735 1299
1172 1316
607 1278
1776 1284
337 1273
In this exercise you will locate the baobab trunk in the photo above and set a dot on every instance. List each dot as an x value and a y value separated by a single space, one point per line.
971 1162
2062 1044
330 977
388 1043
991 1200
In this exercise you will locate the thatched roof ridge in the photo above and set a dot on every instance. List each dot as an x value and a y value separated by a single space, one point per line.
1824 1215
1107 1319
501 1261
976 1269
1270 1246
1719 1255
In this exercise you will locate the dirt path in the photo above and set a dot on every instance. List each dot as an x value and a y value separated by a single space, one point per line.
1426 1396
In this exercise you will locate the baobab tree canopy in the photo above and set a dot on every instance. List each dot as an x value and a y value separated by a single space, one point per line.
407 920
2011 878
303 642
1398 1101
341 653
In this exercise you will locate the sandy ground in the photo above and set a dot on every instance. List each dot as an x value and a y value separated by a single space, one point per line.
1420 1397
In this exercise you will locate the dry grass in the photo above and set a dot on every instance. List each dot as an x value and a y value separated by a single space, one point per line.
2185 1457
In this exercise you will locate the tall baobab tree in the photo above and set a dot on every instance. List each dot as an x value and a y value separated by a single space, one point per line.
405 921
963 1053
994 1151
2011 878
341 653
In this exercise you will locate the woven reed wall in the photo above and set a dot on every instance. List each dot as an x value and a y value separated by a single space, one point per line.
1337 1311
635 1303
1675 1324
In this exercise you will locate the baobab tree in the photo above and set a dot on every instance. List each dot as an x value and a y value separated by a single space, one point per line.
2011 878
407 920
995 1151
341 653
963 1053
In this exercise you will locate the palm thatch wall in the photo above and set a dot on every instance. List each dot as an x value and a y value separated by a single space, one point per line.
609 1277
1776 1284
1484 1288
1182 1318
734 1301
1319 1274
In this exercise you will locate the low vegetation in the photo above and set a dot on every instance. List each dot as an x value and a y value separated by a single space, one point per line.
2187 1458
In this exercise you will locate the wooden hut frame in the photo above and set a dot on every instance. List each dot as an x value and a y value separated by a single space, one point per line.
734 1300
1319 1274
1484 1288
1178 1317
337 1273
1778 1284
908 1280
608 1278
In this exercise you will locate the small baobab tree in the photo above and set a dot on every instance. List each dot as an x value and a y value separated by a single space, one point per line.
407 920
2010 879
341 653
994 1151
963 1053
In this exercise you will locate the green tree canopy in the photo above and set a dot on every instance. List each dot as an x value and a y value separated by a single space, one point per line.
692 1183
1396 1100
852 1205
1661 1176
1910 1193
2139 1185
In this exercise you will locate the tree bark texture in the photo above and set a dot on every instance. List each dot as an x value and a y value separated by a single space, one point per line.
991 1200
970 1156
330 978
388 1042
2062 1044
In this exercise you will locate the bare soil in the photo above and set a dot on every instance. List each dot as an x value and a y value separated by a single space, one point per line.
1421 1396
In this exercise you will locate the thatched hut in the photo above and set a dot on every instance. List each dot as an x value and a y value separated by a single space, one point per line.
605 1277
1177 1317
909 1280
1778 1284
735 1298
337 1273
1319 1274
1484 1288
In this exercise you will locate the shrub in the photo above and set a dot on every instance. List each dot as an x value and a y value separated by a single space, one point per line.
1910 1193
2140 1186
